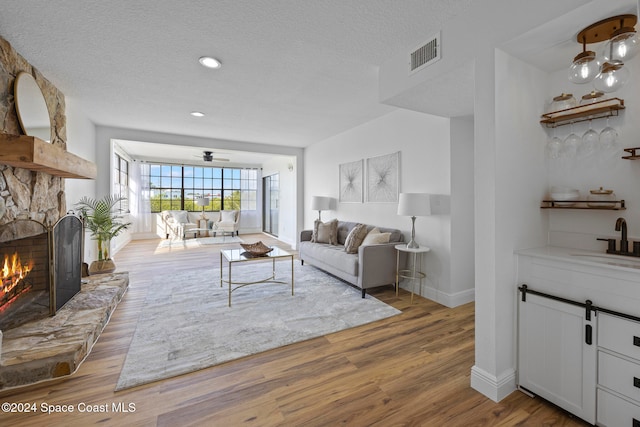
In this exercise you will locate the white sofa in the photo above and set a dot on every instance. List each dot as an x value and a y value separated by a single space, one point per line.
228 221
177 223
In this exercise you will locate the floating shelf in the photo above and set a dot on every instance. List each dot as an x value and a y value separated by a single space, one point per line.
29 152
633 153
597 110
618 205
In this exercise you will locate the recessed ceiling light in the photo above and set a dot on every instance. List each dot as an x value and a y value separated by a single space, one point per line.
210 62
197 114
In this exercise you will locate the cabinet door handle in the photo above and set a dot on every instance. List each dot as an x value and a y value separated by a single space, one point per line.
588 336
636 341
636 382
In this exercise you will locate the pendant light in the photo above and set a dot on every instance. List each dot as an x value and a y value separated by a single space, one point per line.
613 76
623 45
585 66
607 71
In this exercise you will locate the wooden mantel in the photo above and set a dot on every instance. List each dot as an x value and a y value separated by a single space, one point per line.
29 152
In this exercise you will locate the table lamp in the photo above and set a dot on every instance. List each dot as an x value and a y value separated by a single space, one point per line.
202 201
413 205
320 203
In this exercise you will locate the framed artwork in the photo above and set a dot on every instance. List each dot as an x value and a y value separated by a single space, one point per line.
382 178
351 182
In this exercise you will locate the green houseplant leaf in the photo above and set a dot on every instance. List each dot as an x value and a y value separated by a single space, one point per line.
101 218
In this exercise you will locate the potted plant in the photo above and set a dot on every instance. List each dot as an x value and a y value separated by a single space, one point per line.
104 223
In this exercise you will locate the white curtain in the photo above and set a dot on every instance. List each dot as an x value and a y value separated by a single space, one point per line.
140 198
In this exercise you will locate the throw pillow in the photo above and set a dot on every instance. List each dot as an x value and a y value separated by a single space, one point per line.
325 232
180 217
354 238
375 237
228 216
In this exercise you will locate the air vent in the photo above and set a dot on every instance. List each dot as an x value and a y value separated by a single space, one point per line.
426 54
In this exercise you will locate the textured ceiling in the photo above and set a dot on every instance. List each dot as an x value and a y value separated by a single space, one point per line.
294 72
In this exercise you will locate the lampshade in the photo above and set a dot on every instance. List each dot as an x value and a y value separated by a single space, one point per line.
202 201
414 204
320 203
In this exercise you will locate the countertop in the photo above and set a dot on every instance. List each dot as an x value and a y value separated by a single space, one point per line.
584 257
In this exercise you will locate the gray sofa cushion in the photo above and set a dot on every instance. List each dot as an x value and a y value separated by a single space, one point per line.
333 255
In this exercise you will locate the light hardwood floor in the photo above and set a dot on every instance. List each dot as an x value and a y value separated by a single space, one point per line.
409 370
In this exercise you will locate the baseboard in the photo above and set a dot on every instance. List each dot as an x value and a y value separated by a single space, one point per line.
448 300
495 388
145 236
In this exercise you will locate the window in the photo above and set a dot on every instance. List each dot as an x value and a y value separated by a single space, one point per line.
121 182
178 187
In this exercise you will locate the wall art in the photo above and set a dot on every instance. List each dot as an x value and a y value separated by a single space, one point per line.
382 178
351 182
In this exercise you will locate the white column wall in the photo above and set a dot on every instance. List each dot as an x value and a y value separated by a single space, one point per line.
510 183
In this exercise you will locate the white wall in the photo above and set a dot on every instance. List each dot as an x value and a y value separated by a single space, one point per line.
81 137
423 143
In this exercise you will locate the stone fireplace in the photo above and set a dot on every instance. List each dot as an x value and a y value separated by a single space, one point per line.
42 245
32 201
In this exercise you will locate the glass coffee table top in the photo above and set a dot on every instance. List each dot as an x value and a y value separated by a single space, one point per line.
233 255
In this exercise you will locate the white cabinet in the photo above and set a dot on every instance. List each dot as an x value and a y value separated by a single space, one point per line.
548 330
618 371
557 354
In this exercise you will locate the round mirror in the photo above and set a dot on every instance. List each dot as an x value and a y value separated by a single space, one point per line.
31 107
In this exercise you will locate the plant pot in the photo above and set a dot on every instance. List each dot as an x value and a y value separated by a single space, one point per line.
100 267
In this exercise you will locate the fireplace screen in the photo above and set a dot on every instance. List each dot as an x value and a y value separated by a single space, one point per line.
40 268
67 259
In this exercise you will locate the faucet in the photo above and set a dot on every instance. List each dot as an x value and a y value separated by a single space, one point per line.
621 225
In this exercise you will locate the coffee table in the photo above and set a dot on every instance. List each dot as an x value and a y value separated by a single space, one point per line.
233 256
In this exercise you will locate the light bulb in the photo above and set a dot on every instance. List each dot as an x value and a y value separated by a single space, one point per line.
612 77
622 46
583 70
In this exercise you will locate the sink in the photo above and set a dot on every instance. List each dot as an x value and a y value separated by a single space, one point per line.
620 260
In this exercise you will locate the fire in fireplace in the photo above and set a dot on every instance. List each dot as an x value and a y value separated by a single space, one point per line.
41 270
14 282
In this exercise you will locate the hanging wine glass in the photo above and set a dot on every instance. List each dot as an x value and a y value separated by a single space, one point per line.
554 144
608 137
590 141
570 145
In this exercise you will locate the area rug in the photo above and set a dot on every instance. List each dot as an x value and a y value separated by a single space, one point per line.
199 241
186 324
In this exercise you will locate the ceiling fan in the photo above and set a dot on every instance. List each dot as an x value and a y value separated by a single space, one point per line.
207 156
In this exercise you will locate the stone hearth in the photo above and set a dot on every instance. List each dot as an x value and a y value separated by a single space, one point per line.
55 347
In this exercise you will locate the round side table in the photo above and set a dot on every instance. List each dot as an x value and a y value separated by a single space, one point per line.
415 272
